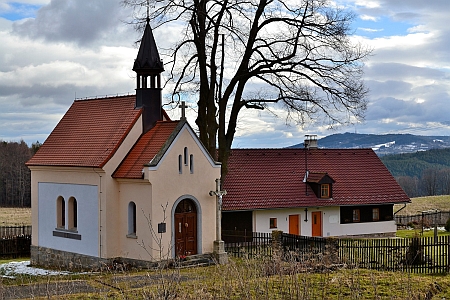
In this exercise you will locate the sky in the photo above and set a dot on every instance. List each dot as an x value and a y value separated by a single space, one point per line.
54 51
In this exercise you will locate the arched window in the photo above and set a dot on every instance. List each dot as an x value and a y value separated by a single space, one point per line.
185 156
180 164
191 163
131 218
60 212
72 214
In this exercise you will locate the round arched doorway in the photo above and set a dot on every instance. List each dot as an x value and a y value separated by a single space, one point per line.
185 228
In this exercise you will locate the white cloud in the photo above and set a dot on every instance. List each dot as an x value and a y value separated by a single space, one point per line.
368 18
367 4
370 29
83 47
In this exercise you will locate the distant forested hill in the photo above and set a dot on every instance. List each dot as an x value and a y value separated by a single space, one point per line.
383 144
414 164
424 173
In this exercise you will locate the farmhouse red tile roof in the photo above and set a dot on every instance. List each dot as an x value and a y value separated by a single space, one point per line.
316 177
145 149
273 178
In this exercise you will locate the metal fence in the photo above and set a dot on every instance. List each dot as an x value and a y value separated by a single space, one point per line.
415 255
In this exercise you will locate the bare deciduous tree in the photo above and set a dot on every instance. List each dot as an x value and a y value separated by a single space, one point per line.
237 54
15 178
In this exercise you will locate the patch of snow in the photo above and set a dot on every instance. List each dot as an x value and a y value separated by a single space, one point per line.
386 145
10 269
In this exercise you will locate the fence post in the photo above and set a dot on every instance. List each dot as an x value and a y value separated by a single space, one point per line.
277 243
448 253
331 253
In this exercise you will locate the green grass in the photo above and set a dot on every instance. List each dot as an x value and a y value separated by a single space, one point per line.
410 233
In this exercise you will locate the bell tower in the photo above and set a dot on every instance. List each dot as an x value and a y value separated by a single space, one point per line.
148 67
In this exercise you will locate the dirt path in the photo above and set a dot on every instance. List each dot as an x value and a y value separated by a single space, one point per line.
71 287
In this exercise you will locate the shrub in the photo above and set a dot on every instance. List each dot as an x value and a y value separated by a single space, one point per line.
447 225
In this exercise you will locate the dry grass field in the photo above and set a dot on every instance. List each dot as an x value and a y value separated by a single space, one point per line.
419 204
13 216
260 278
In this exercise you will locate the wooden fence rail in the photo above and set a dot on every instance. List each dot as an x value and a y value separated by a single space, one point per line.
415 255
11 231
427 218
18 246
249 244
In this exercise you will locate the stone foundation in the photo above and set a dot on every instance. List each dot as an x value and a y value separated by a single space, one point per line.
51 258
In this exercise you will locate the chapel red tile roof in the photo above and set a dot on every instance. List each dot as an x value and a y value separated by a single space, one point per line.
273 178
146 148
89 133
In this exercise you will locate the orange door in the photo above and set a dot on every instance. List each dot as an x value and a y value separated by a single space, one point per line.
316 223
293 224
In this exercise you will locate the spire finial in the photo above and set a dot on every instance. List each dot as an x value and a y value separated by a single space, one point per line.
148 11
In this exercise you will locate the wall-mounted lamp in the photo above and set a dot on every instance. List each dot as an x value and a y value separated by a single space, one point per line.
306 215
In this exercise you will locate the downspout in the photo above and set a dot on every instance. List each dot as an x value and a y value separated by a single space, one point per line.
404 205
100 214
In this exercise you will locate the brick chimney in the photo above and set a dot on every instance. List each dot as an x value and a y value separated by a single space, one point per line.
310 141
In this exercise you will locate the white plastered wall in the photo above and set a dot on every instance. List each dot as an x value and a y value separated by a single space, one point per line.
330 222
50 182
168 186
87 220
106 210
109 208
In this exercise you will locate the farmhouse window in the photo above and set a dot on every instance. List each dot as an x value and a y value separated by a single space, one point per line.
273 223
324 191
356 215
375 214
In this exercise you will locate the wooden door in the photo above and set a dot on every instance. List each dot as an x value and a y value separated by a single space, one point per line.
190 233
185 228
294 224
180 242
316 223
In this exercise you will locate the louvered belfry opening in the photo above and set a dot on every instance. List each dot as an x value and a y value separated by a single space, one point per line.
148 67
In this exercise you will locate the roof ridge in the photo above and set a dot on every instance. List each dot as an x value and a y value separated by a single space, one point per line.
98 97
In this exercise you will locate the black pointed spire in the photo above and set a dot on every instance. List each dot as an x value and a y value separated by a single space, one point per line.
148 60
148 67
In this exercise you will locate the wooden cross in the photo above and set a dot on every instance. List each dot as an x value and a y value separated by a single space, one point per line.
183 107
